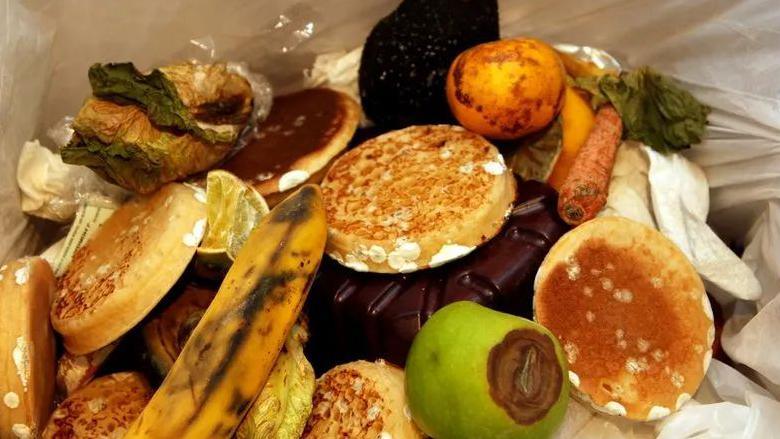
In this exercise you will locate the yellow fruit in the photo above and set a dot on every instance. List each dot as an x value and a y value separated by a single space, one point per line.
229 356
234 209
577 116
506 89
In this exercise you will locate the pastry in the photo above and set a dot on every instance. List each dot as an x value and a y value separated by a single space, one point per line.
506 380
361 400
366 315
302 134
103 408
415 198
632 315
127 266
407 54
27 358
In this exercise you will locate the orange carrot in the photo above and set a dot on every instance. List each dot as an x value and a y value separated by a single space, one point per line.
584 192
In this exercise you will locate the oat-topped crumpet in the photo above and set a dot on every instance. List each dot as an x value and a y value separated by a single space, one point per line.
415 198
361 400
631 314
127 266
103 408
303 133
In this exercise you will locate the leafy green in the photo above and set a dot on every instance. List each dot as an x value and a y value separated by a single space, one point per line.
654 109
154 93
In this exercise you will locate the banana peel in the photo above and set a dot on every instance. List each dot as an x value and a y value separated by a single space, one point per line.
231 352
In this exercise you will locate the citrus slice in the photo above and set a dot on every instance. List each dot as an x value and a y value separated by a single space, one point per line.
234 209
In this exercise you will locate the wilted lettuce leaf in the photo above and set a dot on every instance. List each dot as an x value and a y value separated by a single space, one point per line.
654 109
285 403
120 143
164 94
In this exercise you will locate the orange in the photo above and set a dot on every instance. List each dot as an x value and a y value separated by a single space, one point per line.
577 119
506 89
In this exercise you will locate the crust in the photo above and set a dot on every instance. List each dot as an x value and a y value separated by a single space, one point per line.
415 198
372 393
127 267
632 314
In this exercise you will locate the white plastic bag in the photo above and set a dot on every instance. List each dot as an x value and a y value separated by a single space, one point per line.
724 52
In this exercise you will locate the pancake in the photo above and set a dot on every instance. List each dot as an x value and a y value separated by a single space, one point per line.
415 198
361 400
27 342
127 266
371 315
301 136
632 315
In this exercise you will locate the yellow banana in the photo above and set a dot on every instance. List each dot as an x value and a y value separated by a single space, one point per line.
229 356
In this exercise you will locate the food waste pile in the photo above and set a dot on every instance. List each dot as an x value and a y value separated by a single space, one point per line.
441 249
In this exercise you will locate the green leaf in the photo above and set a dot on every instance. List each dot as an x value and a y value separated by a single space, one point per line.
655 110
154 93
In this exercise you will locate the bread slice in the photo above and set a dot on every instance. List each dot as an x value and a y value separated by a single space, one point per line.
127 266
361 400
26 347
632 315
103 408
415 198
302 134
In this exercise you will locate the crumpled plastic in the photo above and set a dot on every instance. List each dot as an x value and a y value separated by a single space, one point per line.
53 190
336 70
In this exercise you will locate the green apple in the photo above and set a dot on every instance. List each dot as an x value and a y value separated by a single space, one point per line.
475 373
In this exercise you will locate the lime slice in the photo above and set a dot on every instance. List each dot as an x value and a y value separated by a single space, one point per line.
535 157
234 209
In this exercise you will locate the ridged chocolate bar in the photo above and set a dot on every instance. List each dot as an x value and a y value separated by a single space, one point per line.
356 315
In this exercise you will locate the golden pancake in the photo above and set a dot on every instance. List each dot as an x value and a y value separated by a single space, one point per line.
632 315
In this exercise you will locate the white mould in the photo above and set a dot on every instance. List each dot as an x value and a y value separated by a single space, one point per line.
623 295
192 239
21 431
615 408
607 284
574 379
403 257
494 168
657 412
467 168
642 344
354 263
588 291
377 254
449 252
22 275
21 357
445 153
292 178
571 352
706 361
385 435
11 400
706 306
263 176
677 379
590 316
682 399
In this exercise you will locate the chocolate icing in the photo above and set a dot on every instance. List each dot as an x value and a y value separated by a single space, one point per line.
368 315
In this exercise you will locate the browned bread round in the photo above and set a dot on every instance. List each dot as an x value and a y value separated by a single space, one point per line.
361 400
103 408
302 134
632 315
27 358
415 198
127 266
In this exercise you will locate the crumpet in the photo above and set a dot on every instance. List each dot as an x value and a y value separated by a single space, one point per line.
632 315
127 266
303 133
415 198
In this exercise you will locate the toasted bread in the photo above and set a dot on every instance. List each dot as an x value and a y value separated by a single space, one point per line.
632 315
361 400
127 266
415 198
27 345
302 134
103 408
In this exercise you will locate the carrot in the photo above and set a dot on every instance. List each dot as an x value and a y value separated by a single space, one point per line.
584 192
